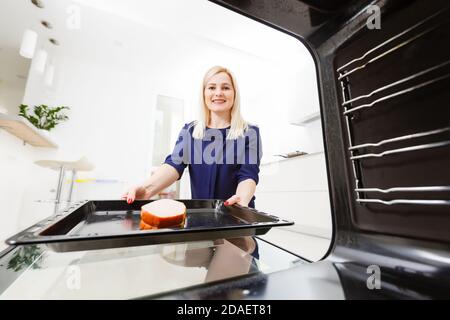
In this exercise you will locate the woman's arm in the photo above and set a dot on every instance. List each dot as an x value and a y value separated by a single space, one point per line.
163 177
244 193
248 171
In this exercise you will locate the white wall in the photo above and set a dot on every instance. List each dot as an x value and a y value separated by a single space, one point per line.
21 182
10 99
13 72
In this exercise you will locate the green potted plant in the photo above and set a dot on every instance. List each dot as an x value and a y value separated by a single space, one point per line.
44 117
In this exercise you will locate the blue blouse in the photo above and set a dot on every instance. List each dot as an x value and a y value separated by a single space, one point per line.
216 165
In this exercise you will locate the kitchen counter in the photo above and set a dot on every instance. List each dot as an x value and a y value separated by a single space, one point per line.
281 159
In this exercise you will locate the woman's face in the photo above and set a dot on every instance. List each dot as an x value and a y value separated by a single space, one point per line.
219 93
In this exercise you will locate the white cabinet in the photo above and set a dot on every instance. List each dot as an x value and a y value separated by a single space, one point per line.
297 189
303 121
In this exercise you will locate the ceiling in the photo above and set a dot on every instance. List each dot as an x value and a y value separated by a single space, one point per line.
204 19
106 23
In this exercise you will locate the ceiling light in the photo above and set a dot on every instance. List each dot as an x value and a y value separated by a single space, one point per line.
40 61
54 41
28 45
49 75
47 24
38 3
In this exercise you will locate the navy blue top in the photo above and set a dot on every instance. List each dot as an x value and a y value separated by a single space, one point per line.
216 165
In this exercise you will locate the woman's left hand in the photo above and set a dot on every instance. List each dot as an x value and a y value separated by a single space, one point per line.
244 193
235 199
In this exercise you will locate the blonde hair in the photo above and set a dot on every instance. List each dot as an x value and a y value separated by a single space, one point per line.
238 124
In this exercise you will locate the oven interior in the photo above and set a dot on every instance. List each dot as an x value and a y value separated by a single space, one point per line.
386 123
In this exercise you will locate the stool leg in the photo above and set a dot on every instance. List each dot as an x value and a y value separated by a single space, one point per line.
58 190
74 174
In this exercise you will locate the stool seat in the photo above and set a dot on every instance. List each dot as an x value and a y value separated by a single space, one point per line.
82 164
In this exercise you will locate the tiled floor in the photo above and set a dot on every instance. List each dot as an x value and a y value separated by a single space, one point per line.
307 246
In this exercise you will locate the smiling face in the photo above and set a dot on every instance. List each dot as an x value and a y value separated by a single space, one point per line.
219 93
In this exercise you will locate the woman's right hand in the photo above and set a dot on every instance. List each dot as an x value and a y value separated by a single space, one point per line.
136 192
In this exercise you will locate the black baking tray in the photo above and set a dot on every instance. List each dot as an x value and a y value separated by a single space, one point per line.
101 224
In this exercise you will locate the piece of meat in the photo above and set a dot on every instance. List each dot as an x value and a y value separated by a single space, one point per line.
163 213
144 226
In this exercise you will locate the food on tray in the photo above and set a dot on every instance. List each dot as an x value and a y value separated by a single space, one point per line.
144 226
162 214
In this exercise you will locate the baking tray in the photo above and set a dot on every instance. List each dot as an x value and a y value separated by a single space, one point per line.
101 224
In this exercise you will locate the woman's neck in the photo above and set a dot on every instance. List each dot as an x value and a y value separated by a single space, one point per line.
219 120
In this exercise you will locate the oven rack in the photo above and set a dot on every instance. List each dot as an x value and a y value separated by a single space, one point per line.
342 70
411 83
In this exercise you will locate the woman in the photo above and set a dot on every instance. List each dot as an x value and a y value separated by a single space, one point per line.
222 150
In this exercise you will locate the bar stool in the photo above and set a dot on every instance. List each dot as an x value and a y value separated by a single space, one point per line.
82 164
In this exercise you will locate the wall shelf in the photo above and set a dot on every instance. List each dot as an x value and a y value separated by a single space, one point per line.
24 130
307 119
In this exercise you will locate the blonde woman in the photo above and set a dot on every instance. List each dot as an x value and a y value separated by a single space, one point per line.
221 149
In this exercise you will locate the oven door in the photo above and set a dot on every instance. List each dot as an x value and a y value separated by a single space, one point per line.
35 271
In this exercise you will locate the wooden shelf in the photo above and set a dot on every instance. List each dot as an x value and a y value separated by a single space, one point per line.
24 130
307 119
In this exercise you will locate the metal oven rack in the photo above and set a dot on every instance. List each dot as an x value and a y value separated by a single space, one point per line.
403 87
